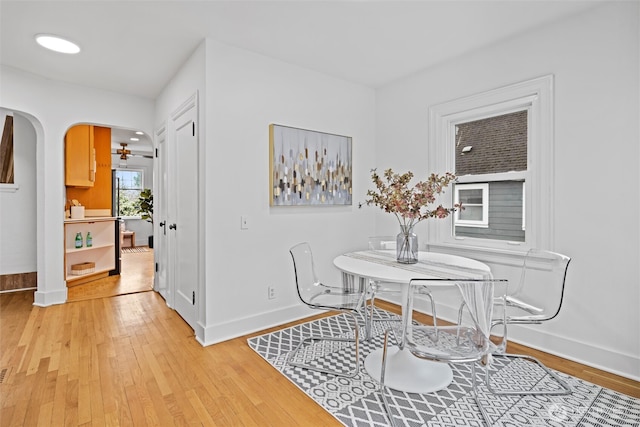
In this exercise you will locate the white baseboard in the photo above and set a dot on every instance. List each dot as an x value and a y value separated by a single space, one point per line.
236 328
605 359
45 299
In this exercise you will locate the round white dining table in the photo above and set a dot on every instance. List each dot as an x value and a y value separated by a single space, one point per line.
406 372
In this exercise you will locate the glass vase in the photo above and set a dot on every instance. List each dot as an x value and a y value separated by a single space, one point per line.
407 246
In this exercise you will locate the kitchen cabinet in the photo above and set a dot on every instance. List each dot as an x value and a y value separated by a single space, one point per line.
80 157
100 257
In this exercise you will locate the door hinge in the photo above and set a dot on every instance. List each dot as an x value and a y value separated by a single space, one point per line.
156 152
193 297
157 267
193 128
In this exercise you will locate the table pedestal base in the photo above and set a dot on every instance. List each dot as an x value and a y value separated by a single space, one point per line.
406 372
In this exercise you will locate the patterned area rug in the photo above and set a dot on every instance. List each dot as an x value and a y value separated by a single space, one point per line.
357 402
135 250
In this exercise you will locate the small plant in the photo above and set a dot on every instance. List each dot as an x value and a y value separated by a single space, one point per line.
145 205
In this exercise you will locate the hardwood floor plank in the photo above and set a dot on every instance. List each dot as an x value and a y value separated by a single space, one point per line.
161 412
203 415
135 405
96 402
84 402
47 399
59 401
44 416
141 395
71 403
156 371
6 418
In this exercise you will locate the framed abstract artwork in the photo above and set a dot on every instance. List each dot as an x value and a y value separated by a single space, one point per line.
308 167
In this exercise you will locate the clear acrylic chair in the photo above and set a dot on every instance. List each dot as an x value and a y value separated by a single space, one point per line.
319 295
387 243
537 298
464 342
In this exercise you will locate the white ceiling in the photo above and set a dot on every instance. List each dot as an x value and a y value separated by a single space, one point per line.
135 47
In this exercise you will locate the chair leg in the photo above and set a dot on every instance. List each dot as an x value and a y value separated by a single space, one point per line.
385 403
369 317
356 340
565 387
434 315
372 316
476 398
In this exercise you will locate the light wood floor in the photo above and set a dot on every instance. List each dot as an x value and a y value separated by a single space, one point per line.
130 360
136 276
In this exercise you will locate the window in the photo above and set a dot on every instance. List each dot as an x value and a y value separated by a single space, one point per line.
128 185
475 199
500 145
493 153
6 149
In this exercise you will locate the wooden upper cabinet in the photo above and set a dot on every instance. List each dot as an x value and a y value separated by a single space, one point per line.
80 157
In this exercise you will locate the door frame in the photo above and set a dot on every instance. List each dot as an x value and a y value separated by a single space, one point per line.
160 284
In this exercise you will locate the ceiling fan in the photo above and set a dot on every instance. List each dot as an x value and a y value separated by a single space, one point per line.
123 151
125 154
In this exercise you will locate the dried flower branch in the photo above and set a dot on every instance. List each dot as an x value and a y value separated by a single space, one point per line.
410 205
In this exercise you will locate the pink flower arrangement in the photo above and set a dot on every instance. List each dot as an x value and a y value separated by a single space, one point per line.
409 204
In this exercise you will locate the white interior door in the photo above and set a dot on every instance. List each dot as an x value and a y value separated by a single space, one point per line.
182 224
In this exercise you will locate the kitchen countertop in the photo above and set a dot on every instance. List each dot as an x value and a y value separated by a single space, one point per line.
90 219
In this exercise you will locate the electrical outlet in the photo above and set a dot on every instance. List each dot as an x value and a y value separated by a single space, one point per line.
271 292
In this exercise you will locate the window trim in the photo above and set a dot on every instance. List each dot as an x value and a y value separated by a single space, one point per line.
524 207
484 223
536 95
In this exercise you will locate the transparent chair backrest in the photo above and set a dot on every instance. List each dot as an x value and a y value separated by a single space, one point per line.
307 282
541 285
382 243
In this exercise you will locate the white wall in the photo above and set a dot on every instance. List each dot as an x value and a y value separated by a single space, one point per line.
244 93
594 57
18 208
53 107
240 94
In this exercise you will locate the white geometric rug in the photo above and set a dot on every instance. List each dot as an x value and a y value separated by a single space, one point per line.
356 401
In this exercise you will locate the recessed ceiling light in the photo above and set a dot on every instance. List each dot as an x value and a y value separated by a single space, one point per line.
134 139
139 133
57 44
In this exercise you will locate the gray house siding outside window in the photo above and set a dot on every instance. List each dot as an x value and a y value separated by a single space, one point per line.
505 214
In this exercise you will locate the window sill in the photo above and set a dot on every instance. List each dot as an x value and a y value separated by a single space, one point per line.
503 256
9 188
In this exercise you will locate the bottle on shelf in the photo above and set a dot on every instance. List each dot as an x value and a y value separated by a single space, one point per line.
78 240
89 239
